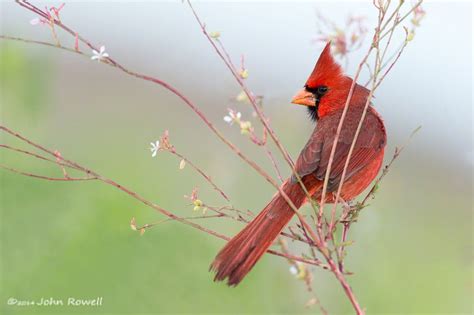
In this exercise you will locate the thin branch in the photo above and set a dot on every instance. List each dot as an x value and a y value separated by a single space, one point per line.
27 153
398 151
62 179
201 172
274 163
39 42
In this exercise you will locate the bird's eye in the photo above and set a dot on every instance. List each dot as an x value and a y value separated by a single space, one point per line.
318 91
321 90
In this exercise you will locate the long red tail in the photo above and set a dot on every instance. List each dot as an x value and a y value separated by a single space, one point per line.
243 251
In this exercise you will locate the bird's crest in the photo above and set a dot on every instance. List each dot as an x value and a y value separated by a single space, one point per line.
327 71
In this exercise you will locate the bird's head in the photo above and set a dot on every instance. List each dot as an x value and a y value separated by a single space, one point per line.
327 87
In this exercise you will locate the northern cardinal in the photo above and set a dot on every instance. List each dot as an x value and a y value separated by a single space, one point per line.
325 94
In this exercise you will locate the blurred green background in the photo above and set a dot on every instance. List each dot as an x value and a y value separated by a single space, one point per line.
413 245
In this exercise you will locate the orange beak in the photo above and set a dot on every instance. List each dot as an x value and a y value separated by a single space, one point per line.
304 97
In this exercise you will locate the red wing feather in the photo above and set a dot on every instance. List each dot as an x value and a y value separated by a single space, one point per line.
314 158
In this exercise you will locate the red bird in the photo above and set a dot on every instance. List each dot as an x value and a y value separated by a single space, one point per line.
325 94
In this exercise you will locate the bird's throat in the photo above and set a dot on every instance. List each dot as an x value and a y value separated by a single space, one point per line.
313 111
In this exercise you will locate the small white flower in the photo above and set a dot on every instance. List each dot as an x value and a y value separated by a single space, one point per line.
232 117
155 146
35 21
294 270
298 270
228 119
99 55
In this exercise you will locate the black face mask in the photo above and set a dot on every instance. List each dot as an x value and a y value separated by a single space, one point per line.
318 93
